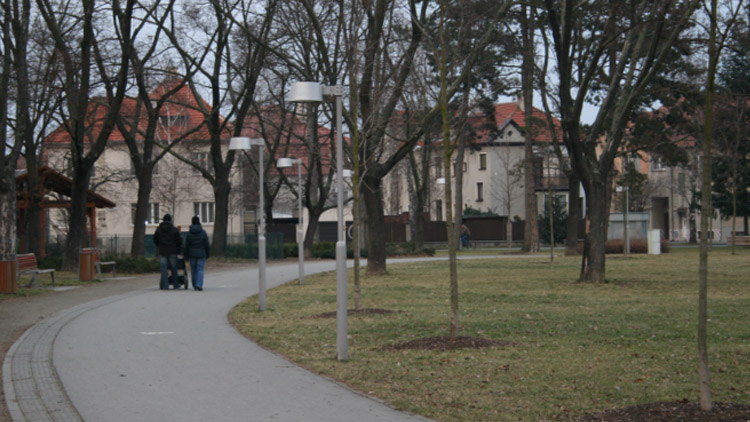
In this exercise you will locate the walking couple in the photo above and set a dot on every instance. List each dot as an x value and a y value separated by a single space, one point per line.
168 240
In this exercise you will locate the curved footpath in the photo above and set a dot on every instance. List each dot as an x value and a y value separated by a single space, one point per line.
141 354
152 355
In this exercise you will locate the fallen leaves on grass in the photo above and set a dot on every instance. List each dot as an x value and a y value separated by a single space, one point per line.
444 343
682 411
363 311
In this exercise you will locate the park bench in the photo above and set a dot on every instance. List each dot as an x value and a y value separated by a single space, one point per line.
27 265
98 265
740 240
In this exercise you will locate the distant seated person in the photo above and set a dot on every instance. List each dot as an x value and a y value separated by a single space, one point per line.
465 233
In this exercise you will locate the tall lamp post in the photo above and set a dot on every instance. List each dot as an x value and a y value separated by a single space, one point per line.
626 247
245 143
286 163
312 92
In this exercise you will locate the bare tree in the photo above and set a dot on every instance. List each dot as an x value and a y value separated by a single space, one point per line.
83 59
620 53
716 42
10 151
531 229
226 42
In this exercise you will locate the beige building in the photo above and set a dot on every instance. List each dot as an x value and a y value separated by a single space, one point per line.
492 169
178 188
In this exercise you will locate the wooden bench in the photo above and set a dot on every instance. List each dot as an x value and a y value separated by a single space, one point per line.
740 240
27 265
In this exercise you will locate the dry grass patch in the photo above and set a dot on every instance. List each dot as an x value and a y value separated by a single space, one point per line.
576 348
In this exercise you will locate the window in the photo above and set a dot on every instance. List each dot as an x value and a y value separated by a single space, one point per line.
439 210
657 164
681 183
203 160
438 167
482 161
204 210
480 192
631 163
152 215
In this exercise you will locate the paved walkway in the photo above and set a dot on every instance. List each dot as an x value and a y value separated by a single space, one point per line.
152 355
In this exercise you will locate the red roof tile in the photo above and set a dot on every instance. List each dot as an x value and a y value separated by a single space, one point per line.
182 109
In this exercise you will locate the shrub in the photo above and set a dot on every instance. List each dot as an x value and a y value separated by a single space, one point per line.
138 265
291 250
51 262
244 251
350 253
324 250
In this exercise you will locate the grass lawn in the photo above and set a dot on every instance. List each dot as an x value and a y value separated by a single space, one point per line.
577 347
62 279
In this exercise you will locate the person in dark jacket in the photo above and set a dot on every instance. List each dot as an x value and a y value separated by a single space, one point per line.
197 250
169 244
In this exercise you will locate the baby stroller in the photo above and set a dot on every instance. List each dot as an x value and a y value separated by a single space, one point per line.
182 276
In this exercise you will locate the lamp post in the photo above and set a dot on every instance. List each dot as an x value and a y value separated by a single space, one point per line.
245 143
626 248
286 163
312 92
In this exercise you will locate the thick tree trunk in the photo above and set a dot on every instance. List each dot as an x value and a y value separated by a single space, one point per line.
145 183
77 219
598 215
375 221
312 228
34 235
8 212
418 226
571 243
221 197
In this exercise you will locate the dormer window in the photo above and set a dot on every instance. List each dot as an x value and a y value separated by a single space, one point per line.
176 120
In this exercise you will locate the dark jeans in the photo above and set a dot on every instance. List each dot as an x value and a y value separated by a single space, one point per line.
196 271
168 262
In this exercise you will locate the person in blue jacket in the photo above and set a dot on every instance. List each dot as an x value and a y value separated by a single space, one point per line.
197 250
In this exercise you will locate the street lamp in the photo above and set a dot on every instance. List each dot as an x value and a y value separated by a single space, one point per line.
312 92
286 163
245 143
626 248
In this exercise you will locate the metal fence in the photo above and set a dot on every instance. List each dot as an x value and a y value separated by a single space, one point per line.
237 246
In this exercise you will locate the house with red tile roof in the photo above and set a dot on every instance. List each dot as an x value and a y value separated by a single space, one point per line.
492 173
178 188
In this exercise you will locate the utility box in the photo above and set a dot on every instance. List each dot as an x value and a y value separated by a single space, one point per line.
654 242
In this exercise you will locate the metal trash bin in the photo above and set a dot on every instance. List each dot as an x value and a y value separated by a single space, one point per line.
8 276
86 260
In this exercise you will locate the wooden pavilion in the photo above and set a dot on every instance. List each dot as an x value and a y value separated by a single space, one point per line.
51 181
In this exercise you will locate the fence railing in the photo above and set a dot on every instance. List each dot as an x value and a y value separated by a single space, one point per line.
238 246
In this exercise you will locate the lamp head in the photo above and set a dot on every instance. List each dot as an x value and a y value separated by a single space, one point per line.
283 163
239 142
306 92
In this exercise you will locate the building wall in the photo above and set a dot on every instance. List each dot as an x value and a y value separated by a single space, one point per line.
176 188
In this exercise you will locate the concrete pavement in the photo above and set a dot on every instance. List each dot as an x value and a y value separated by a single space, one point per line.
153 355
